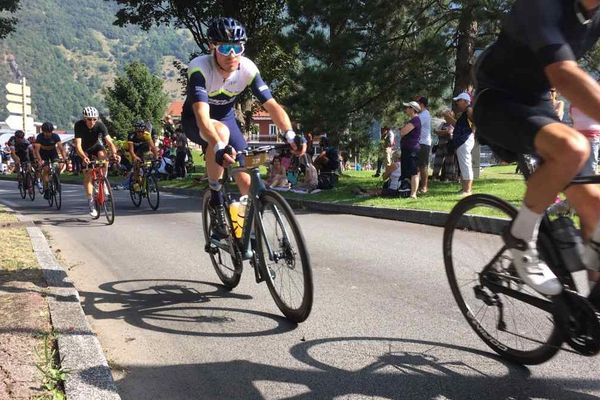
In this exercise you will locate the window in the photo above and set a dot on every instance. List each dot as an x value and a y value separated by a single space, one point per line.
273 130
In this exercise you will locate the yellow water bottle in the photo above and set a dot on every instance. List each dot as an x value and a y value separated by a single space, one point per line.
233 212
242 211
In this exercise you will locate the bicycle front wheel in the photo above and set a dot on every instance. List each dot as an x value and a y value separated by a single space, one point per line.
283 256
57 192
482 278
152 192
22 185
227 264
50 192
136 195
108 205
30 185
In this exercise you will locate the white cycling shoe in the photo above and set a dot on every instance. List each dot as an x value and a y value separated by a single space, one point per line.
533 271
93 209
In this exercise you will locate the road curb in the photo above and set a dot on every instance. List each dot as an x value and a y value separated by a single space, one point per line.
89 375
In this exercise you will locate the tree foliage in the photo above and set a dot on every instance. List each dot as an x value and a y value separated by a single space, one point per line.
7 23
135 95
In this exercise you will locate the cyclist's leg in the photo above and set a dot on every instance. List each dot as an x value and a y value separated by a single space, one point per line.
237 141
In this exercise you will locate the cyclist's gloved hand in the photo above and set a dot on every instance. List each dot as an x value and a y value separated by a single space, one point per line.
224 155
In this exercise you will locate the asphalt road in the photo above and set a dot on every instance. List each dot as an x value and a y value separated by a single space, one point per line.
383 326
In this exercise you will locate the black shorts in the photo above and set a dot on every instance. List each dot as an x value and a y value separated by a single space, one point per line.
93 151
408 163
509 123
49 157
424 154
236 138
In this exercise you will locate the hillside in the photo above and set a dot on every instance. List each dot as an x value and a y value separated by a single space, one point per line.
68 50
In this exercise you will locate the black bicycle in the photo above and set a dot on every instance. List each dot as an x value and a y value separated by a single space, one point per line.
144 183
26 181
514 320
54 188
270 239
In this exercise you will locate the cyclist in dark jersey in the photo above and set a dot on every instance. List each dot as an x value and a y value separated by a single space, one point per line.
538 48
45 150
19 148
90 136
214 83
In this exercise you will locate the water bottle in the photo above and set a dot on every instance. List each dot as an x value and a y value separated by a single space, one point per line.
242 210
234 212
569 241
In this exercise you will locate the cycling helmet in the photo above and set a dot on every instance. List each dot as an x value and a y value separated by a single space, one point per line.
47 127
226 30
20 134
90 112
139 125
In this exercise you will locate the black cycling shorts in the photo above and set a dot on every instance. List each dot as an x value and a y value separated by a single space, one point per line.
93 151
49 156
509 124
236 138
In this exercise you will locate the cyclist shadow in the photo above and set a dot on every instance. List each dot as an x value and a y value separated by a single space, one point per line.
357 367
176 307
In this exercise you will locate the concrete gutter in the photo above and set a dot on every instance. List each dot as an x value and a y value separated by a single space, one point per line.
89 376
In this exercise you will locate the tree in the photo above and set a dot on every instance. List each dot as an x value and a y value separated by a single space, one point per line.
136 94
7 24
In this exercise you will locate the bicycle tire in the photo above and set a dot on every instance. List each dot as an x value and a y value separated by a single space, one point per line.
109 204
135 195
95 197
21 185
485 232
280 273
228 273
152 191
50 191
29 184
57 192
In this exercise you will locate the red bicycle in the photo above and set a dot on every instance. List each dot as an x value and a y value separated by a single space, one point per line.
102 192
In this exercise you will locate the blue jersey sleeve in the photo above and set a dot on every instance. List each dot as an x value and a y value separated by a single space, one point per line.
196 91
540 21
260 89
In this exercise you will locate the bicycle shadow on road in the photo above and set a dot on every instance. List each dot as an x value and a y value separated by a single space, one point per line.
355 367
178 307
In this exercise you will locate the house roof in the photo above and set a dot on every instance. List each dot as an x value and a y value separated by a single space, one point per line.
261 115
175 108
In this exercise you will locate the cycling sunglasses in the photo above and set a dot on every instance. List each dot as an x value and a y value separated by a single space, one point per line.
228 48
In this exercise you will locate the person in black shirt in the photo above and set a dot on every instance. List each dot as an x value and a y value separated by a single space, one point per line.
19 148
91 136
45 150
538 48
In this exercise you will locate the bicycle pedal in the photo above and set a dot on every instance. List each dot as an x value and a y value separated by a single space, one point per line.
211 249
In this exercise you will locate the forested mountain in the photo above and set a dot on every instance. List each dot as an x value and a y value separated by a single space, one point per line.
69 49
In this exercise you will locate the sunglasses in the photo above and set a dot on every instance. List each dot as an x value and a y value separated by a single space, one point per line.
92 119
226 49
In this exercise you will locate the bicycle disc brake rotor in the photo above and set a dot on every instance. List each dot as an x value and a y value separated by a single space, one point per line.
582 325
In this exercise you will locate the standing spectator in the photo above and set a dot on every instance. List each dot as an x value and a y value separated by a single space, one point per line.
409 145
168 125
559 105
181 144
591 130
463 140
425 144
386 145
444 162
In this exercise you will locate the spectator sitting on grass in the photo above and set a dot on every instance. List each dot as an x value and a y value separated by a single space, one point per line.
277 174
328 160
392 176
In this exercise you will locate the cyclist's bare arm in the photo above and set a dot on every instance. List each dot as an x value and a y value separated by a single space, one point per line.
576 85
153 148
80 151
131 152
282 120
36 152
62 151
111 145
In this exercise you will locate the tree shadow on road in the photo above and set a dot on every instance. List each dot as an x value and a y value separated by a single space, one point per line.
178 307
353 368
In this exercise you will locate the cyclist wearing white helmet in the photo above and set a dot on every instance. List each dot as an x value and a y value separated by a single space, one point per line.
91 136
214 82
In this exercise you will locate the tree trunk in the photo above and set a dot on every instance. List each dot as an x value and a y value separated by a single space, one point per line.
465 49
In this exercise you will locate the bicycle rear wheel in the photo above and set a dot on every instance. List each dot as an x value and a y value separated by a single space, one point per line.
108 206
477 264
29 184
22 186
57 191
227 264
152 192
284 259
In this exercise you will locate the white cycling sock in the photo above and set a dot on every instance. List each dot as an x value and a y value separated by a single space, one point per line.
526 225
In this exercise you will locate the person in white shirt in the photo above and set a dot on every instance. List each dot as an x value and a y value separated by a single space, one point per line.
425 144
591 130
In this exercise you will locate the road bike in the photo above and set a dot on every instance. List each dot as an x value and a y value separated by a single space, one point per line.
102 192
514 320
270 239
26 181
144 183
54 188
